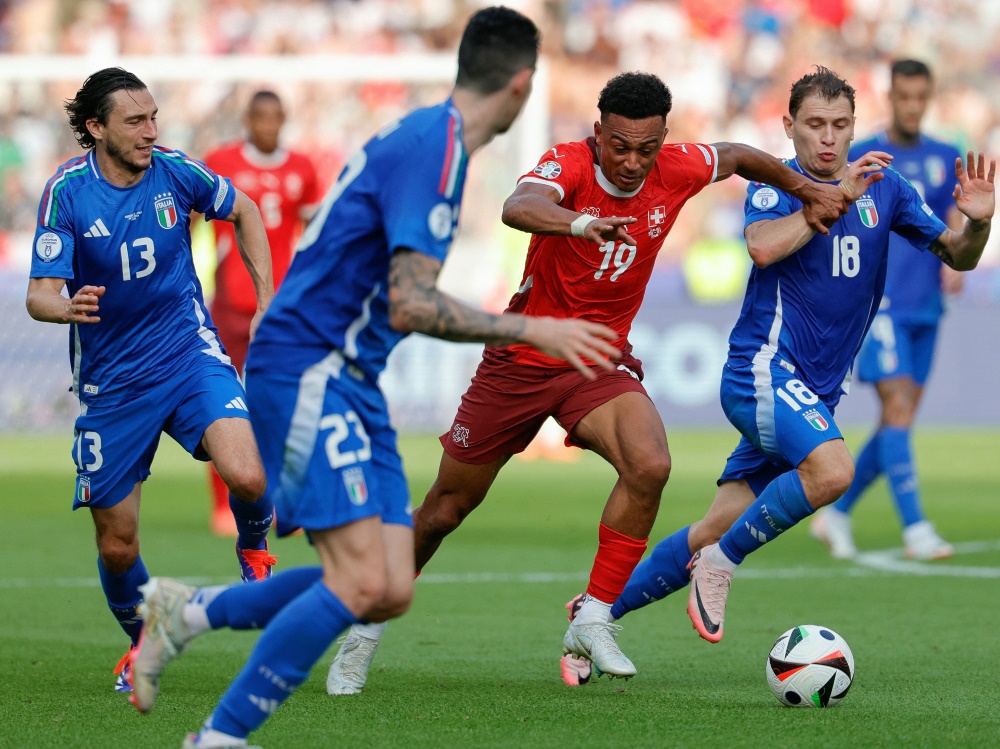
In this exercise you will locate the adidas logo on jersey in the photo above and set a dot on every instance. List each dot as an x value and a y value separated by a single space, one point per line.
238 403
97 230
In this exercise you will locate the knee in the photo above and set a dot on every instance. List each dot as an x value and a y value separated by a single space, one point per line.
648 474
443 511
830 484
118 553
247 483
369 592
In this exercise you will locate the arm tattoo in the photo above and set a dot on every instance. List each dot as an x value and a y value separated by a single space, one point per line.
942 252
416 305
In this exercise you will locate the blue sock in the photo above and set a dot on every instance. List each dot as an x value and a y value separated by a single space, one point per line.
253 520
897 462
658 575
285 653
253 606
866 469
122 593
781 505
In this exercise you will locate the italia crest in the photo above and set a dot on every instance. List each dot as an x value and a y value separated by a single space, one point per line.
354 482
869 216
166 210
815 418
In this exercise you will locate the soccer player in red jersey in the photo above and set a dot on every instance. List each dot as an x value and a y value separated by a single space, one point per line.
598 211
283 184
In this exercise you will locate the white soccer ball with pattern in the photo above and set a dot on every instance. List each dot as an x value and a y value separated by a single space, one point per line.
810 666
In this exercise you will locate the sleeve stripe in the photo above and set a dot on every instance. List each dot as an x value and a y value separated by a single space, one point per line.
710 158
547 183
178 157
50 198
446 169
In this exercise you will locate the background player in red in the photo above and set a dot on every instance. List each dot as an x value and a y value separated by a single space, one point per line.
283 184
598 211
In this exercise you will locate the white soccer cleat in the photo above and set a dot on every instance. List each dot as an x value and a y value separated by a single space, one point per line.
596 642
833 528
164 636
191 742
709 591
349 670
921 541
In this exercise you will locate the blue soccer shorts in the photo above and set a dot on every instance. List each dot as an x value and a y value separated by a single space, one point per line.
897 349
780 418
114 447
328 448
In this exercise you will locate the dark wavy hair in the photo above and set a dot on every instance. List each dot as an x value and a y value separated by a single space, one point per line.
497 43
635 96
93 101
824 82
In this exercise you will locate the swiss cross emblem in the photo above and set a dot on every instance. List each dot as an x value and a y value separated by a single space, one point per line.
657 216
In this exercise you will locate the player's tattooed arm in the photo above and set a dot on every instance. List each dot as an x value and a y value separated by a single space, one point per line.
416 305
975 198
46 303
251 240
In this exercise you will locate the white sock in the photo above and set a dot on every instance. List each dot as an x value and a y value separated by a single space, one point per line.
369 630
209 738
718 557
593 611
195 612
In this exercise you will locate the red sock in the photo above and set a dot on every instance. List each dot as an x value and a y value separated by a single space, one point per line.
617 556
220 492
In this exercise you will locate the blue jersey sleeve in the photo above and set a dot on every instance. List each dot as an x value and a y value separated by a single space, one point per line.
420 201
913 219
54 242
200 188
766 203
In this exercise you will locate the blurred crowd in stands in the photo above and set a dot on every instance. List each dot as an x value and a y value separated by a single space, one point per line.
729 64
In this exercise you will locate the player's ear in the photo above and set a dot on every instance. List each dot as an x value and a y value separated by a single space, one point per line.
95 128
787 122
597 130
521 82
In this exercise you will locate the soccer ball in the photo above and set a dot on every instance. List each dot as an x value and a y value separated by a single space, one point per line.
810 666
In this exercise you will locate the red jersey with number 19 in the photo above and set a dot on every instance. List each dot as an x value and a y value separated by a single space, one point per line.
573 277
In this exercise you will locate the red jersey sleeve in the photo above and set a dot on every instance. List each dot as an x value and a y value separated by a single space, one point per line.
564 167
698 163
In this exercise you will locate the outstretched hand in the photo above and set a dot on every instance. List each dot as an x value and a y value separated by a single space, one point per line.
574 340
602 230
863 173
974 194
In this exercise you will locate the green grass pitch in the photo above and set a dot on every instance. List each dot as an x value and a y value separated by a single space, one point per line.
475 662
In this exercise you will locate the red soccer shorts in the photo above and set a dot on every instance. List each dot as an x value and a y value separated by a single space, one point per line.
507 403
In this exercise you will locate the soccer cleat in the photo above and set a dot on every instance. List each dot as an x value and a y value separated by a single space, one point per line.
349 670
124 671
596 643
709 590
921 541
833 528
255 564
191 742
164 636
573 606
576 671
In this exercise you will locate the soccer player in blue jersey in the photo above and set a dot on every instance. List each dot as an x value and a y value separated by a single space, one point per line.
899 348
364 275
810 300
113 230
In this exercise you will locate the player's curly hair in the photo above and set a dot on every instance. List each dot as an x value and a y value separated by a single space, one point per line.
635 96
497 44
823 82
93 101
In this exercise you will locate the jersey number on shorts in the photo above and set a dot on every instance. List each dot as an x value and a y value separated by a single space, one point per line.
846 256
145 247
94 448
800 391
341 426
622 256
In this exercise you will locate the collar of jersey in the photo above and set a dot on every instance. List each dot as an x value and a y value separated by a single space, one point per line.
261 160
609 187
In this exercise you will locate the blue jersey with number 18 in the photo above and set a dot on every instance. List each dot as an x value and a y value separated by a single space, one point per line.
135 242
811 310
402 190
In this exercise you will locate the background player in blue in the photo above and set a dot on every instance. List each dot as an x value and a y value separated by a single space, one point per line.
898 350
364 275
113 229
809 302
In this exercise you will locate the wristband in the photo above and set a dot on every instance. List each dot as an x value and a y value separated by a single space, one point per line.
580 224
